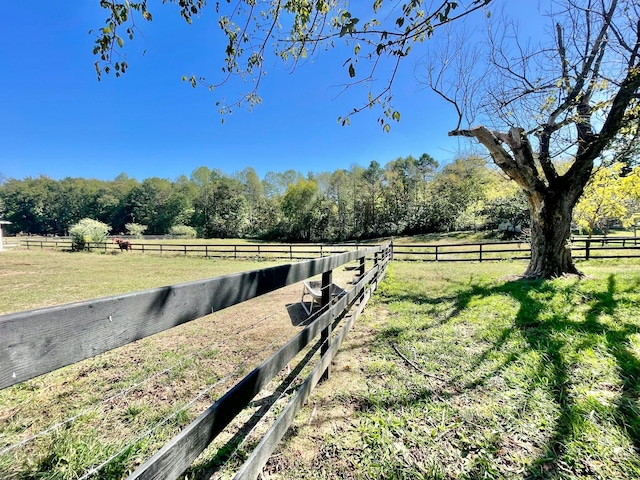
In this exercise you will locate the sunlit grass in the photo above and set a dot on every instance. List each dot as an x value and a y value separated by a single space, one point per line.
41 278
470 374
113 411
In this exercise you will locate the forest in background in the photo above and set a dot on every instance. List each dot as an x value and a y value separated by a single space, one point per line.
405 196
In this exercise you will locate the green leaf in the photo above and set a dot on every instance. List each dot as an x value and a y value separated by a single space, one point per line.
120 42
352 71
386 128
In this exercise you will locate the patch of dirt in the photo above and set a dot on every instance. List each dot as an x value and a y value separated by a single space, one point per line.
332 405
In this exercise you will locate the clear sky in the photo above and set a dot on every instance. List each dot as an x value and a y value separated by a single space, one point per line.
58 120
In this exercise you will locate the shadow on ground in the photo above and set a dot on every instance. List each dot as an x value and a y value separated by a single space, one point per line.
554 337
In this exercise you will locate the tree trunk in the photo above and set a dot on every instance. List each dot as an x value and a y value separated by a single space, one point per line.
550 233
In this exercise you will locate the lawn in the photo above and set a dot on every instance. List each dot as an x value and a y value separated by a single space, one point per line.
457 371
460 372
41 278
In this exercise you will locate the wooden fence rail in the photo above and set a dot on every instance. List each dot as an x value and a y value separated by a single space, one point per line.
39 341
582 249
292 251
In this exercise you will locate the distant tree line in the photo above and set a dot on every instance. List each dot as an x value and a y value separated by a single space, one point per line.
406 196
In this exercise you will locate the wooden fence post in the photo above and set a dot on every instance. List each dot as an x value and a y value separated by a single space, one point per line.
325 335
587 246
290 252
480 253
436 253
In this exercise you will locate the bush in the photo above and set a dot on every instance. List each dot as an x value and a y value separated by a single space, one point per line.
87 230
183 231
135 229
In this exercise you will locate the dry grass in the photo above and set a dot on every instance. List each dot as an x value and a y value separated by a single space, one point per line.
124 404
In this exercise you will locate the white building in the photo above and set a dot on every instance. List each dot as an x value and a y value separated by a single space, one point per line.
2 224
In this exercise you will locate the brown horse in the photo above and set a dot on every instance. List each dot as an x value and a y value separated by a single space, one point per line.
123 244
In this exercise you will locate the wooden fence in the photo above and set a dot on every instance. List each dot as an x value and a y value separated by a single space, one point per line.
293 251
39 341
582 249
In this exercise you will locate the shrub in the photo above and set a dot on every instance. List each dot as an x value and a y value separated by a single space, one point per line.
87 230
135 229
183 231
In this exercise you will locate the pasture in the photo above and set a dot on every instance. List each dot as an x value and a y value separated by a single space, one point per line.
121 406
457 371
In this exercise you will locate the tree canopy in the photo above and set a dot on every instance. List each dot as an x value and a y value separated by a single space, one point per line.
575 92
404 196
379 36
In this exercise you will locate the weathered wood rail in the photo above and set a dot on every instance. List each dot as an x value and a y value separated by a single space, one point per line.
39 341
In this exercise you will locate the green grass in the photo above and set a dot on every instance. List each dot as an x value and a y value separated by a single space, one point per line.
128 402
41 278
469 374
456 371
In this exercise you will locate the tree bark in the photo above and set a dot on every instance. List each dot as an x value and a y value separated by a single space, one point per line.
550 233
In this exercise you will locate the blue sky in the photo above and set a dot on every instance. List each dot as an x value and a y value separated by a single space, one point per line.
58 120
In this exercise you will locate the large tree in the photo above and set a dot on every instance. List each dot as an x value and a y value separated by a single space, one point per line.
571 96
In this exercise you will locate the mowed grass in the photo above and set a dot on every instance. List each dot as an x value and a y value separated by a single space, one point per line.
113 411
462 372
41 278
456 371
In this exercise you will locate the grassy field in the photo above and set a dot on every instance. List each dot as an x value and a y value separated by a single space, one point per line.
41 278
456 372
115 410
460 372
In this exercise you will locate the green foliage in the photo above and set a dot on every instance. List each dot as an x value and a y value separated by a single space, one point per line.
220 209
136 230
406 196
88 230
301 209
292 31
183 231
609 197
